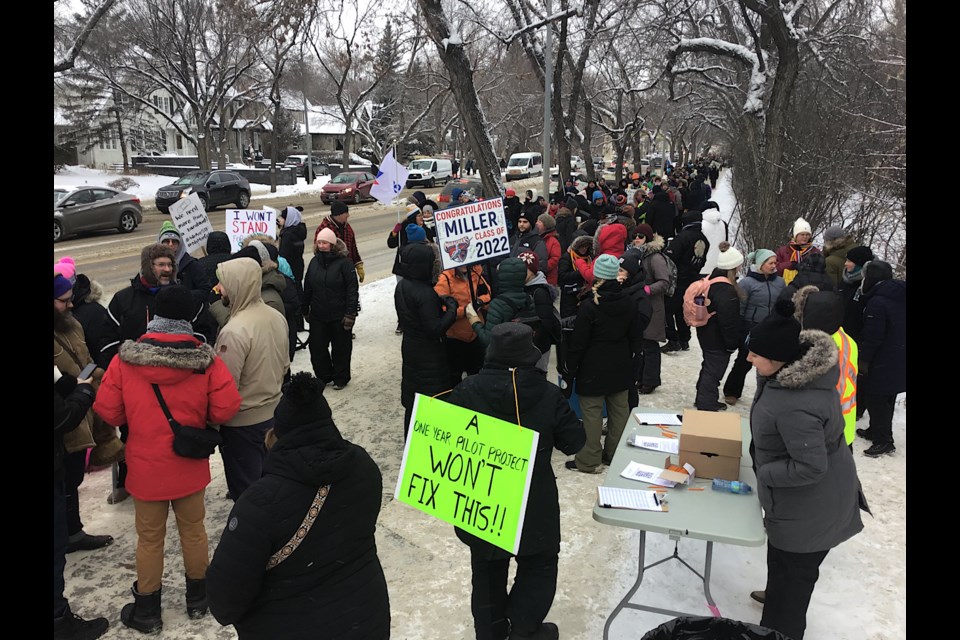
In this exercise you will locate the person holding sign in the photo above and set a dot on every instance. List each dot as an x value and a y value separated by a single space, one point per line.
190 272
510 388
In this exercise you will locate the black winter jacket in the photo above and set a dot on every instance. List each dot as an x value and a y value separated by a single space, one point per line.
883 346
633 287
605 339
544 409
71 402
291 248
93 317
332 586
662 215
570 281
724 331
424 320
689 251
330 287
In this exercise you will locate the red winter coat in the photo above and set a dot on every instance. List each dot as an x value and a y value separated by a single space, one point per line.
198 389
553 256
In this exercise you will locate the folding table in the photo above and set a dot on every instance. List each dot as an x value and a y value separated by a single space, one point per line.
713 516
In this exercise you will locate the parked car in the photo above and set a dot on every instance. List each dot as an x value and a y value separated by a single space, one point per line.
428 172
299 162
215 188
577 165
598 162
466 184
644 166
353 186
79 209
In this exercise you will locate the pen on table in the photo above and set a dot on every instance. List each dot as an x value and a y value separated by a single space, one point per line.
656 500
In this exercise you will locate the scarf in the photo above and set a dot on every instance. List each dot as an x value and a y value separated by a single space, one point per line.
160 324
851 277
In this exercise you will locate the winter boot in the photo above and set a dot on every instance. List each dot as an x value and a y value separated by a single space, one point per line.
83 541
759 596
670 347
546 631
70 626
879 448
196 598
143 614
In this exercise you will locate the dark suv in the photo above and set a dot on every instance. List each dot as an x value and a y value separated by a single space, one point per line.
215 188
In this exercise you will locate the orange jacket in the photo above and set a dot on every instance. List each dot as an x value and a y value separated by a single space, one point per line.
452 284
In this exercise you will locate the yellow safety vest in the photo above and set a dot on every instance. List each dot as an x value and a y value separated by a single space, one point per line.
847 384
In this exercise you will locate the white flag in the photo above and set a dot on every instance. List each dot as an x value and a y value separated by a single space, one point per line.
390 180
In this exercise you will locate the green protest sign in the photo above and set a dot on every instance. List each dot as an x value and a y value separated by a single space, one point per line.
469 469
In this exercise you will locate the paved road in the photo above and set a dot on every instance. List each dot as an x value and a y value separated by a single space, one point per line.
112 259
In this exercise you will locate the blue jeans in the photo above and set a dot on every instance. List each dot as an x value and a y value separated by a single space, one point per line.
59 546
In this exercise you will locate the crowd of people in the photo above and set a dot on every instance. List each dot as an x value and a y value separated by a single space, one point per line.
606 279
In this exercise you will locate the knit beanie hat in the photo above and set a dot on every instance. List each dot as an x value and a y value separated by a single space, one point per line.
860 255
510 193
529 215
758 257
262 252
606 267
629 262
644 230
176 303
302 403
338 208
218 242
571 203
511 345
777 337
60 285
729 258
455 194
168 231
815 309
151 253
415 233
530 259
547 221
597 195
248 252
67 268
833 233
801 226
327 235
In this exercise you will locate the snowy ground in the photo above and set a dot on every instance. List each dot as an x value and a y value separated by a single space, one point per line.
861 594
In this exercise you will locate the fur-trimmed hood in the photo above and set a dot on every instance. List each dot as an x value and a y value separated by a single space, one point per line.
585 240
183 353
846 241
86 290
654 246
819 356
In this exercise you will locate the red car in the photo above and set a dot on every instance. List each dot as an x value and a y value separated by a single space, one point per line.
349 186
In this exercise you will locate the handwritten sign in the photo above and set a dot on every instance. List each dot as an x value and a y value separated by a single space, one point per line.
190 219
469 469
244 222
472 232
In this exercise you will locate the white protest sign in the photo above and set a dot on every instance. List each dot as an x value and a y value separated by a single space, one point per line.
471 233
244 222
190 219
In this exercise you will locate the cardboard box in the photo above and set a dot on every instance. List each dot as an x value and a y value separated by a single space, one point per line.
710 441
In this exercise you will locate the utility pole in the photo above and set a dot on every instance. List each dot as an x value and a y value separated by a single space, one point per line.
308 172
547 91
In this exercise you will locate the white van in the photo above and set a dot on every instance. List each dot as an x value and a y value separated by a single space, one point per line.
428 172
524 165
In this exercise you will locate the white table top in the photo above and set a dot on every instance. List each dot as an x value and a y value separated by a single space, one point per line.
704 515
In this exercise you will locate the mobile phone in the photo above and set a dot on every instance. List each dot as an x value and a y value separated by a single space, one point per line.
87 371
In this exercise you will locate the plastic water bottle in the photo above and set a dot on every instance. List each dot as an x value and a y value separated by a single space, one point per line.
731 486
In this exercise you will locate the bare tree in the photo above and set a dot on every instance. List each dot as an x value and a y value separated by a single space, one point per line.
76 32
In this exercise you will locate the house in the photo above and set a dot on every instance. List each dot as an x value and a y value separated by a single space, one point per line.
326 125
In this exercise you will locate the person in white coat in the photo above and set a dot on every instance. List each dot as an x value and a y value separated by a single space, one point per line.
716 232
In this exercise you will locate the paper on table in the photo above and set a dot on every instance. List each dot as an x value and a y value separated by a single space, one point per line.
658 418
628 499
655 444
646 473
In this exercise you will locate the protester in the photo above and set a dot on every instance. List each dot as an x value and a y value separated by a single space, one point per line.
166 362
792 254
565 224
631 278
509 302
723 333
547 228
573 286
761 287
883 352
466 285
218 250
812 271
292 236
337 222
190 273
298 557
527 237
70 356
689 252
837 242
716 230
254 346
424 318
72 400
656 275
89 311
807 481
543 295
849 290
397 239
662 214
606 336
331 298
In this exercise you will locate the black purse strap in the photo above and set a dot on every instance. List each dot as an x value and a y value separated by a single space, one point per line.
166 411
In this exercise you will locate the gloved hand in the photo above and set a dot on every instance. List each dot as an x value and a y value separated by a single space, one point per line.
646 289
794 265
396 228
450 302
360 273
471 314
348 322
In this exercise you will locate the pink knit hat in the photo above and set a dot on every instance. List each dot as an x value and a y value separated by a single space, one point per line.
67 268
327 235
